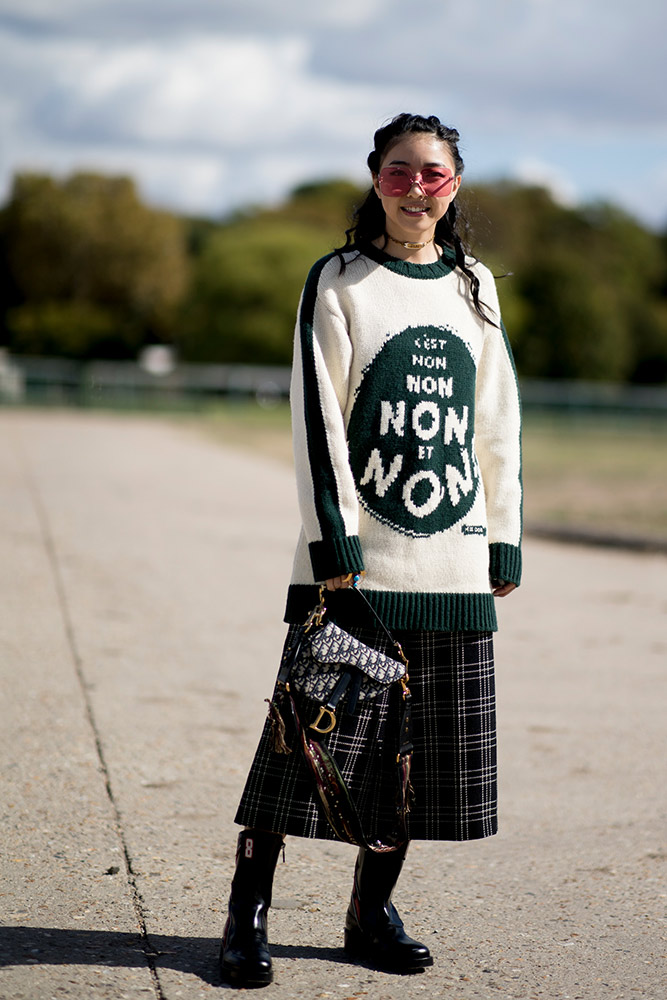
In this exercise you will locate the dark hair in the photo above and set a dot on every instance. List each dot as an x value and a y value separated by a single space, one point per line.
368 221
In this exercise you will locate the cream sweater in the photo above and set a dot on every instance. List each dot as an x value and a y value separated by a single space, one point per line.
407 442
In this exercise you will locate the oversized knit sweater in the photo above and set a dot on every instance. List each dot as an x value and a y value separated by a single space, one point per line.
406 424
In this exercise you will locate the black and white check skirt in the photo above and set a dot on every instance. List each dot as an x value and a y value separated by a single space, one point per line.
454 761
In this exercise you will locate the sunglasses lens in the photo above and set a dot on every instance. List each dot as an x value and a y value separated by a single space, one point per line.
395 182
436 182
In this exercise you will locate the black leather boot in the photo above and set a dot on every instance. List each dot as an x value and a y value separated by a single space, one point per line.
374 931
244 954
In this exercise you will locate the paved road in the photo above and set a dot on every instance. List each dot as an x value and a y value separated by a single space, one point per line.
142 574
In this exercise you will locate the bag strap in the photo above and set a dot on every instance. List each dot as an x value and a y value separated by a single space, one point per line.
382 625
339 809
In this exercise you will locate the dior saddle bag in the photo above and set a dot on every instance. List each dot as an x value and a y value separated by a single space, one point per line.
326 671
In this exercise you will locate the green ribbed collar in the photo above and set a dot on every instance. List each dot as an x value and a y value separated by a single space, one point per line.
438 269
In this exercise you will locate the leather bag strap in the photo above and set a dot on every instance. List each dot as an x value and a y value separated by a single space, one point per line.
382 625
339 809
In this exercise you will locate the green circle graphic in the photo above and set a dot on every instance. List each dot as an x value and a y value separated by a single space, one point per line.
411 431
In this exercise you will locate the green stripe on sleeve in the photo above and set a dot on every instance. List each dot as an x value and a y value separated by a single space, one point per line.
326 497
508 348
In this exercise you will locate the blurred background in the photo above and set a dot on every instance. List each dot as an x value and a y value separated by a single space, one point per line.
169 172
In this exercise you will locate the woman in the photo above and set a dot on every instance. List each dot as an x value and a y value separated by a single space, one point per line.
406 424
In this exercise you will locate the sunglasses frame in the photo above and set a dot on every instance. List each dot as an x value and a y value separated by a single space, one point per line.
412 179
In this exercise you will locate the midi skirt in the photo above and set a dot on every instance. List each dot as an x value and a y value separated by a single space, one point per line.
454 773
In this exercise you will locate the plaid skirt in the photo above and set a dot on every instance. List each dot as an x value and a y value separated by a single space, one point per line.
454 762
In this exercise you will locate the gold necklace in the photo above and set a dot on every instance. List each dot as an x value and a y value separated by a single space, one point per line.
410 246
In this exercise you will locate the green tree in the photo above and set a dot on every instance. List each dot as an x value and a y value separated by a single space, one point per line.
572 327
245 291
584 297
249 273
93 271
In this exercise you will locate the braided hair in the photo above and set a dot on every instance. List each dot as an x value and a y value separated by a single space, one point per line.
368 222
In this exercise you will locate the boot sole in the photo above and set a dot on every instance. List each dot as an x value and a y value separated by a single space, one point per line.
360 950
236 977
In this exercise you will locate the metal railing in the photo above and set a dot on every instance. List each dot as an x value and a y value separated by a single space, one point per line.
61 381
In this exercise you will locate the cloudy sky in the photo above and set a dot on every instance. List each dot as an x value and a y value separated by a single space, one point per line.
212 104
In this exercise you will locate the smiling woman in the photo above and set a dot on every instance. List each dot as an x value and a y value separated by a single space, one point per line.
406 429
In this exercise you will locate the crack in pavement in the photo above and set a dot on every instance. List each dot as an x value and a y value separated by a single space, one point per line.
149 951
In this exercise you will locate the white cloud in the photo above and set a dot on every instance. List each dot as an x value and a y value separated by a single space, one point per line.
177 18
205 124
555 64
207 92
213 102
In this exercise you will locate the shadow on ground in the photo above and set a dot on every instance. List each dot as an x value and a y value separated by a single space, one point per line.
196 956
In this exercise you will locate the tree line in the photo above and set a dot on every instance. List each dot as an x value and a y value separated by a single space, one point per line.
90 271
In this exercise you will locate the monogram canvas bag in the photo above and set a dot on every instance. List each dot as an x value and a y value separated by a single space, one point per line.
326 671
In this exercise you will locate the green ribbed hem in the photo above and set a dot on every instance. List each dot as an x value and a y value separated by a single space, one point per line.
336 557
410 611
505 562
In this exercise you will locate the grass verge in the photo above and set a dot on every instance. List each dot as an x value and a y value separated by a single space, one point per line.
604 474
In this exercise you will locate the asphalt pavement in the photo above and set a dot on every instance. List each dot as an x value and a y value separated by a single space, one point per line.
143 570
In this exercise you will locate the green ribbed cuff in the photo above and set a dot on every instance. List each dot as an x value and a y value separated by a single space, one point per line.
505 562
336 557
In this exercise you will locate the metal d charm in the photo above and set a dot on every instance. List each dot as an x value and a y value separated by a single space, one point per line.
326 714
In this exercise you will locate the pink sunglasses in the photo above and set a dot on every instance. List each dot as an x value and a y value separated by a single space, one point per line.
397 181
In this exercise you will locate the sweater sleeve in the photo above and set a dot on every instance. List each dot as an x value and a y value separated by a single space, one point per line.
498 448
325 486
